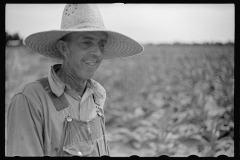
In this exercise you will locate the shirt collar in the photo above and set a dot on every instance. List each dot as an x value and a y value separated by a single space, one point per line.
58 87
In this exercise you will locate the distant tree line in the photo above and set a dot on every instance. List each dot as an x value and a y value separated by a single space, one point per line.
10 37
205 43
15 36
183 44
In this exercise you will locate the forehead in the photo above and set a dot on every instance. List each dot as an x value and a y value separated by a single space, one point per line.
87 35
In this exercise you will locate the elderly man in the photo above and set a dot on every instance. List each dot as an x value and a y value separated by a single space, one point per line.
62 114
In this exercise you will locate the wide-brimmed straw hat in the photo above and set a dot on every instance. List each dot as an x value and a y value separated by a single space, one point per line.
82 18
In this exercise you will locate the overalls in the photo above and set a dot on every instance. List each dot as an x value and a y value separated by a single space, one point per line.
79 138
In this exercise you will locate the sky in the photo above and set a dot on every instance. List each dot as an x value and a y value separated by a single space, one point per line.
145 23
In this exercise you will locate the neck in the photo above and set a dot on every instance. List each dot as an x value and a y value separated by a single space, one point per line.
66 75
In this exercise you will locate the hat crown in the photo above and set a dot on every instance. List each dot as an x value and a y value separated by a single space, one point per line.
76 16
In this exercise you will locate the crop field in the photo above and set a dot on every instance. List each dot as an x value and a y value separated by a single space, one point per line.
175 100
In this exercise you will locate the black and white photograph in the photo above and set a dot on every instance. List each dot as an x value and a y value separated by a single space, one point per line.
119 80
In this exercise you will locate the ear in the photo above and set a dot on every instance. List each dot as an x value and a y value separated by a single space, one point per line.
62 47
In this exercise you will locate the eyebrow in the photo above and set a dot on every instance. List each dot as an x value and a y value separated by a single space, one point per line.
90 38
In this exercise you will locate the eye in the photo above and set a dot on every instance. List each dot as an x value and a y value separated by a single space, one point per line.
102 44
87 43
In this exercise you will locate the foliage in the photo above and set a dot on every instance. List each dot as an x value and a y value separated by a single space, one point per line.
10 37
174 100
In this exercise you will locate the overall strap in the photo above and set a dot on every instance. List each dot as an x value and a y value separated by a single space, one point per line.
61 102
96 99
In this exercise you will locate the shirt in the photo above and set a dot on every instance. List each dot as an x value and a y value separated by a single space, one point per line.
34 126
85 112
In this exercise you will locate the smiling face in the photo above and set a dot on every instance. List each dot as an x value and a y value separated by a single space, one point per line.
85 53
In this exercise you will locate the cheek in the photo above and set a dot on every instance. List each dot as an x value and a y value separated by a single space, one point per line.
76 56
74 63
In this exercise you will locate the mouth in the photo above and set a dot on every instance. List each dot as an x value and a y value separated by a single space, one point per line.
91 63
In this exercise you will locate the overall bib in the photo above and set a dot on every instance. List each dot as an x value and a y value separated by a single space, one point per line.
79 138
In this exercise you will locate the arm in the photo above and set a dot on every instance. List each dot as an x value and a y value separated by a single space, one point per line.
24 128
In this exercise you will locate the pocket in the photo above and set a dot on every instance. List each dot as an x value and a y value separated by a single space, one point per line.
79 149
102 148
75 140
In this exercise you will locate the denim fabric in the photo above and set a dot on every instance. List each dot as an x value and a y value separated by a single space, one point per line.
81 138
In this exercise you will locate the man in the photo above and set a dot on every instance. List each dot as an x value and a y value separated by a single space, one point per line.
62 114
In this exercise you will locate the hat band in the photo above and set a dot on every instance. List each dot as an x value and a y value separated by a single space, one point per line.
86 25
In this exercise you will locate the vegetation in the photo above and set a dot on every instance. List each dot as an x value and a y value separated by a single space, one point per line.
13 37
174 100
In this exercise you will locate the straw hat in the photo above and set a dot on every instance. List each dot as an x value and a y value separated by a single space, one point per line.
82 18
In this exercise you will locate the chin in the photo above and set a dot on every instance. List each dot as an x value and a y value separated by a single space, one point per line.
88 76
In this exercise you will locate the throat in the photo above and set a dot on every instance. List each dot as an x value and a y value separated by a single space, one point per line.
81 91
77 85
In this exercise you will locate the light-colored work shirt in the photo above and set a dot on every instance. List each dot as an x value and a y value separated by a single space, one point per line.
34 126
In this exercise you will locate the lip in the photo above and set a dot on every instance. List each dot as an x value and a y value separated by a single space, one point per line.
90 62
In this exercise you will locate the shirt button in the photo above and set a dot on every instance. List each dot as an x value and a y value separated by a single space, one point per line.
69 119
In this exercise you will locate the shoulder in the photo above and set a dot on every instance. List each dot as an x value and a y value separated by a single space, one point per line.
28 86
99 87
32 90
26 102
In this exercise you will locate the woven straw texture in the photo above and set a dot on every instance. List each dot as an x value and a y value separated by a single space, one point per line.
82 18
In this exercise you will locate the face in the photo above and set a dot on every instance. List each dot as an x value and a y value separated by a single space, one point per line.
85 53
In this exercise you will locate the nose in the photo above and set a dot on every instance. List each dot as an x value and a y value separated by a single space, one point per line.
97 51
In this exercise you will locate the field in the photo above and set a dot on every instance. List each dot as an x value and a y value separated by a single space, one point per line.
174 100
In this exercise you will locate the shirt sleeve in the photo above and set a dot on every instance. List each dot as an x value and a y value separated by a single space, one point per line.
24 128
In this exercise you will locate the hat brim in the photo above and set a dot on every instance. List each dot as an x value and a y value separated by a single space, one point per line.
118 45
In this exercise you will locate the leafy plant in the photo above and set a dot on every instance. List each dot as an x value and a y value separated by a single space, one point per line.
174 100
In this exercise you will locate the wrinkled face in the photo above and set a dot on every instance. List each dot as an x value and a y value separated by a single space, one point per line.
86 51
